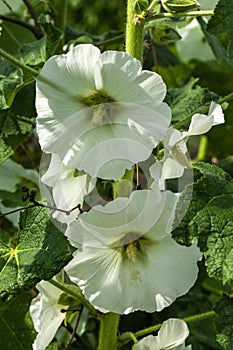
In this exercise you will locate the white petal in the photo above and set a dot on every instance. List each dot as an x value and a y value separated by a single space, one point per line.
111 284
71 73
217 112
104 225
66 128
201 123
107 150
46 314
68 188
50 322
102 272
173 333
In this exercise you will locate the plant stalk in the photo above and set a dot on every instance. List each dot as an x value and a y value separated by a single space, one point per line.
134 32
108 331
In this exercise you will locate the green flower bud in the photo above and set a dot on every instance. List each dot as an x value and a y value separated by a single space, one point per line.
140 5
163 32
180 5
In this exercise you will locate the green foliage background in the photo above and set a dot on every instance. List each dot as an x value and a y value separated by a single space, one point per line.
191 87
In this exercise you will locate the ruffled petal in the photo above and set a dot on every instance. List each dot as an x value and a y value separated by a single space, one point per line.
105 225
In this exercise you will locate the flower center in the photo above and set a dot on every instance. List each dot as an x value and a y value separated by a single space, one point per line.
103 111
94 98
133 246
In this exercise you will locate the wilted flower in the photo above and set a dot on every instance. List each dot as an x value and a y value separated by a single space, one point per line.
176 157
68 187
46 314
171 335
100 113
127 259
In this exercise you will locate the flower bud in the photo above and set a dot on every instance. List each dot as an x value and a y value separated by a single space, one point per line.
180 5
163 32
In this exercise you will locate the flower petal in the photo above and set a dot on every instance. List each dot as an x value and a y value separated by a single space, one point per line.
104 225
201 123
171 335
101 270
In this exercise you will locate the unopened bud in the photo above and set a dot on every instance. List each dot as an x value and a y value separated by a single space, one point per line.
180 5
163 32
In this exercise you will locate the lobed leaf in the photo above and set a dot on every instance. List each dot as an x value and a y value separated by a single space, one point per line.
210 220
188 99
224 322
42 250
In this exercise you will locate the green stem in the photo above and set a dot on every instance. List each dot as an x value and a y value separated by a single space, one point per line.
75 295
134 32
18 63
198 317
127 337
152 4
202 149
108 331
179 14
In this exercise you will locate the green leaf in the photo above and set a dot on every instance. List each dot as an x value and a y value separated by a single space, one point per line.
34 53
224 322
42 250
11 78
188 99
221 23
227 165
210 220
16 326
217 47
17 122
53 36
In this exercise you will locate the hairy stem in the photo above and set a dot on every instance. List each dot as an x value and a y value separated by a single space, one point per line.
134 32
108 331
18 63
127 337
77 296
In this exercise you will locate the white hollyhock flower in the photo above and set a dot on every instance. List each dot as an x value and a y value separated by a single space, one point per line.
46 314
171 335
176 156
128 260
100 113
68 186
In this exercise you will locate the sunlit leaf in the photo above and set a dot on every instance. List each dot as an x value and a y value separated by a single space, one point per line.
210 220
42 250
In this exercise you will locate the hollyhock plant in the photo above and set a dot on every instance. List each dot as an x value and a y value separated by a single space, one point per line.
100 113
126 249
176 157
68 186
171 335
46 314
